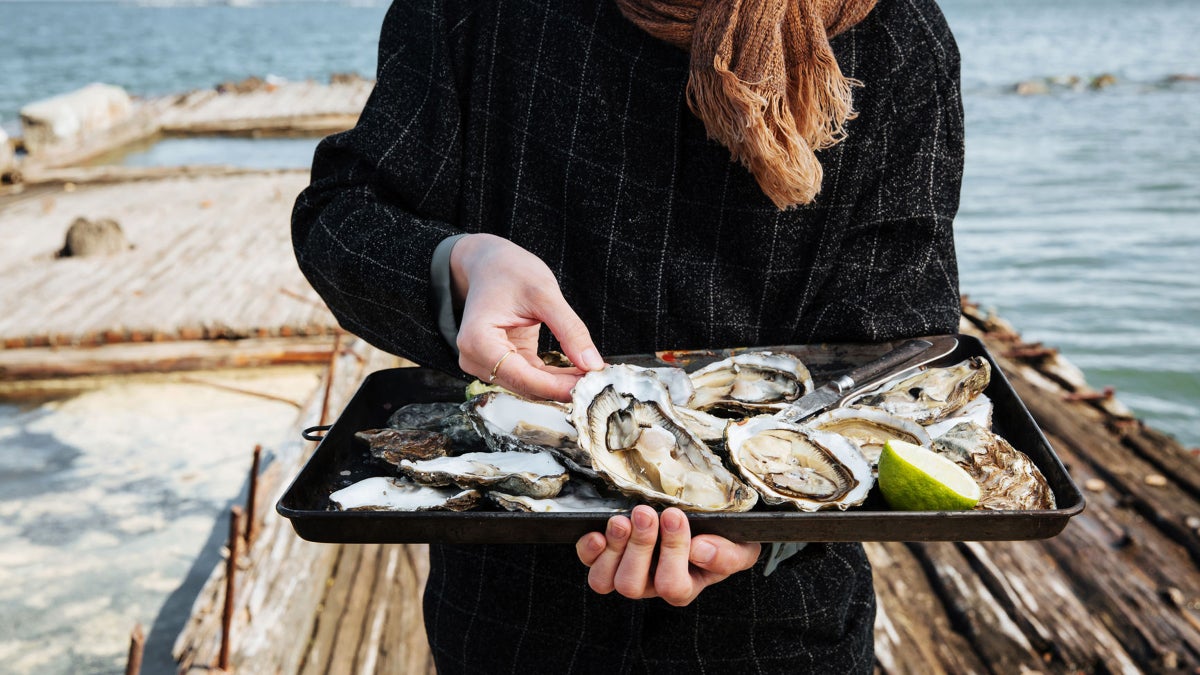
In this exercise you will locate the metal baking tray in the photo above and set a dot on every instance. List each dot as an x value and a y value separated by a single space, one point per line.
339 461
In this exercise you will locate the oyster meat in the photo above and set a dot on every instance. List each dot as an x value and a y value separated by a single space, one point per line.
932 394
1008 479
629 427
979 411
869 429
752 383
400 494
524 473
808 469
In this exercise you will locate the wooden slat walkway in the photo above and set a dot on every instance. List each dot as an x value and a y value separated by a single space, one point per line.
212 259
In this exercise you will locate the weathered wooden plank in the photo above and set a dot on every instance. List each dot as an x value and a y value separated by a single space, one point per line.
913 633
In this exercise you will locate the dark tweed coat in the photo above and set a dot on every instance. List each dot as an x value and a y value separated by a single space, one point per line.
564 128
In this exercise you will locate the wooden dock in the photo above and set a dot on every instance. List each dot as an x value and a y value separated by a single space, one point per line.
1117 592
212 258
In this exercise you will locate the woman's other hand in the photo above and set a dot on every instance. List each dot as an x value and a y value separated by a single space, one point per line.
622 558
506 294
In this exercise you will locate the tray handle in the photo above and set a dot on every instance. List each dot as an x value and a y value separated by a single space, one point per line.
310 434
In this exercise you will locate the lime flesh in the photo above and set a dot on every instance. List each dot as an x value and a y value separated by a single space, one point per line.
913 478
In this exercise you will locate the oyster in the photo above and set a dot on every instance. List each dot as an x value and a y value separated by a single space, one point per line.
628 426
805 468
443 417
511 423
750 384
400 494
979 411
393 445
932 394
577 497
524 473
1008 479
869 429
706 427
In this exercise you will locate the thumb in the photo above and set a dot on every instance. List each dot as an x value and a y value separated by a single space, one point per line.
571 333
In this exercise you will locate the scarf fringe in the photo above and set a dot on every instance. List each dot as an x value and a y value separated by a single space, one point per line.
775 139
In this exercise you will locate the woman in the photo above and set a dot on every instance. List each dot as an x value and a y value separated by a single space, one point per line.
598 195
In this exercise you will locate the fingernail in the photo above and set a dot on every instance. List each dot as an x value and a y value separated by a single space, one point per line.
595 546
703 552
671 521
591 359
615 529
641 519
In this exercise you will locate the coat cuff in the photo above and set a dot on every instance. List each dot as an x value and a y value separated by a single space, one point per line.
441 295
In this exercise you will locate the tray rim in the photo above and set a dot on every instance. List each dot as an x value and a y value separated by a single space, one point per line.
309 523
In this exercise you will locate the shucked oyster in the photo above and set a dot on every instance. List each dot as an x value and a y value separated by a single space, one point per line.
627 424
400 494
576 497
511 423
932 394
1008 479
524 473
808 469
752 383
869 429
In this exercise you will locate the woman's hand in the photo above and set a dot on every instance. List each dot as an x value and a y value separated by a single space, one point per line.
506 294
621 559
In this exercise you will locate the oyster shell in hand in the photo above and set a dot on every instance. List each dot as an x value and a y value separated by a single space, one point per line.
808 469
1008 479
752 383
628 426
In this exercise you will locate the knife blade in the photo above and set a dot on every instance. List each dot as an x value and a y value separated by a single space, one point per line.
908 356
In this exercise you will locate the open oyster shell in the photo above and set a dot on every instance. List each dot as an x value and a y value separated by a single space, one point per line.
869 429
510 423
932 394
382 493
628 426
1007 478
788 464
752 383
523 473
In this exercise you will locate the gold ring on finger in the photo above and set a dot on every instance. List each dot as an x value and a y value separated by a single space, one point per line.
496 368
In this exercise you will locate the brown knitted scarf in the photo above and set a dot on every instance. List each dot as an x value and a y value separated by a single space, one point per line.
763 79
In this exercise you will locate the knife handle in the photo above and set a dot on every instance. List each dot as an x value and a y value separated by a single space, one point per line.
887 366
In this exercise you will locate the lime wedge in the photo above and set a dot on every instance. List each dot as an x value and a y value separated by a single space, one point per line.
913 478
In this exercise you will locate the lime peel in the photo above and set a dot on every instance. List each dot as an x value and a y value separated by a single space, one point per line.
913 478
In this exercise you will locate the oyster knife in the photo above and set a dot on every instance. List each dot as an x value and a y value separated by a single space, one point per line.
908 356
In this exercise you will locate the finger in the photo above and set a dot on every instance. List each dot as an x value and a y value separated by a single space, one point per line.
589 547
487 353
672 577
570 331
719 556
604 569
633 574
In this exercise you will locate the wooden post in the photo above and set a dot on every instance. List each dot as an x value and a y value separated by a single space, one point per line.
137 645
329 377
252 498
235 538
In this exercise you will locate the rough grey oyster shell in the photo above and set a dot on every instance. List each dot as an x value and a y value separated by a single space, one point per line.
1008 479
393 445
443 417
788 464
628 426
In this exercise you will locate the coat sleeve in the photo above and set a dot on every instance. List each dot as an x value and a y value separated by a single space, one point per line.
385 193
897 272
